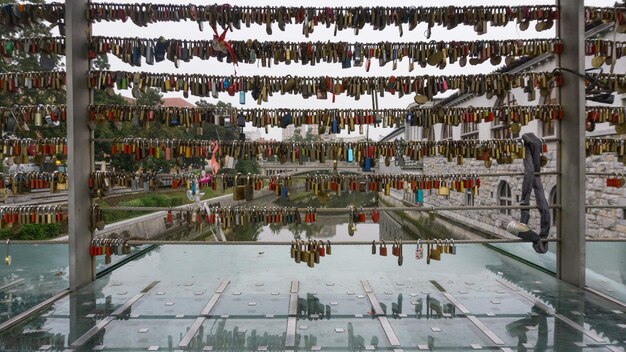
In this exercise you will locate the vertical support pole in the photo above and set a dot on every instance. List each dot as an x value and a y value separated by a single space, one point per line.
82 269
571 254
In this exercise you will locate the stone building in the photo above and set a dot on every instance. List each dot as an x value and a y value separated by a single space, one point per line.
601 223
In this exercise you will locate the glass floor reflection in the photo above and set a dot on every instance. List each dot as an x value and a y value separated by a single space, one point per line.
255 298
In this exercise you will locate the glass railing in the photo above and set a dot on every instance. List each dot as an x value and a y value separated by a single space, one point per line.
606 268
36 273
526 253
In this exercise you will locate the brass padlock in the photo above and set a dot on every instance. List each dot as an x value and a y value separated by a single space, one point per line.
239 189
7 258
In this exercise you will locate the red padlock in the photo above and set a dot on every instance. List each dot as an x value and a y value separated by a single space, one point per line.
375 216
383 249
170 216
395 249
362 217
321 249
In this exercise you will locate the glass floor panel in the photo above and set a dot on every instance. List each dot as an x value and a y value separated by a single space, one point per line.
341 334
27 282
477 298
439 334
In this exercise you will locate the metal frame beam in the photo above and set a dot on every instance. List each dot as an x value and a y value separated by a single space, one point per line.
82 265
571 160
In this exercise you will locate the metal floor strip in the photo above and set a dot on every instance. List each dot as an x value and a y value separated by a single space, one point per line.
30 312
477 322
290 340
104 322
382 319
206 311
11 284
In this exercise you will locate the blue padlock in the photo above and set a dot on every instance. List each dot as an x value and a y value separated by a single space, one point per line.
283 192
419 196
350 155
335 126
367 164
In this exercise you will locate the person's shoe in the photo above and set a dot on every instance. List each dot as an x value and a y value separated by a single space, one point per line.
540 246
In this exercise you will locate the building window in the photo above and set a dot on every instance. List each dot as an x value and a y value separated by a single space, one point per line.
553 201
624 213
548 128
504 197
446 132
469 130
501 132
469 198
429 134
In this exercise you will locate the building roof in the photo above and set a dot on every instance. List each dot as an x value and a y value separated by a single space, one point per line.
176 102
166 102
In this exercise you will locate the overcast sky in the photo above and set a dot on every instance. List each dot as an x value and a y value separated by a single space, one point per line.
189 30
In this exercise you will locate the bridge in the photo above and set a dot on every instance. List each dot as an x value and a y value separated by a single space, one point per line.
291 169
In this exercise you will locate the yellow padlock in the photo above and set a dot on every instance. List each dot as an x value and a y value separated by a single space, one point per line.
7 258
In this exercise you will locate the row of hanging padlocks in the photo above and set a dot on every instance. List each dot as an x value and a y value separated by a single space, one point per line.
504 151
356 216
309 252
355 18
424 87
329 120
337 120
108 247
12 82
32 115
12 47
22 148
396 250
13 216
598 146
131 51
434 251
24 182
386 182
101 182
226 16
230 217
261 87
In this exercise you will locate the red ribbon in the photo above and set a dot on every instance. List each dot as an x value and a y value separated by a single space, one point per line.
222 39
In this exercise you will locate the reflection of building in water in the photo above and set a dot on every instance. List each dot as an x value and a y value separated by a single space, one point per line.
390 229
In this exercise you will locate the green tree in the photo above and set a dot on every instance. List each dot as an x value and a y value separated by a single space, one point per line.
308 137
217 132
250 166
151 97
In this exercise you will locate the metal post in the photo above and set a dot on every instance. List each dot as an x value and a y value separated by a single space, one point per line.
82 268
571 253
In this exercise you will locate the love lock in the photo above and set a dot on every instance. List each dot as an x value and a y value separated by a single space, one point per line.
7 258
52 114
